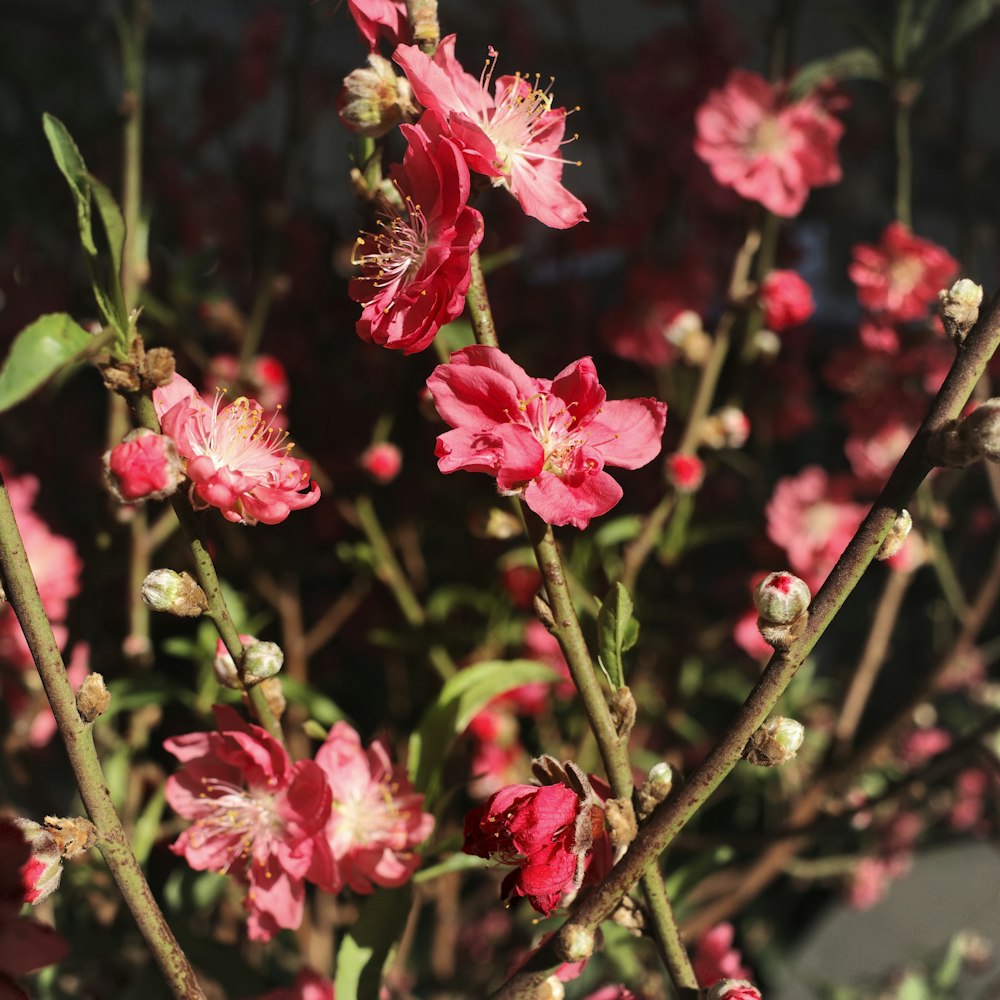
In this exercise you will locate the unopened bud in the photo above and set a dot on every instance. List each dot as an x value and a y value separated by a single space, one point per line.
727 428
260 661
623 711
382 462
960 308
159 367
687 334
74 834
93 698
897 536
224 667
551 989
375 100
495 523
765 344
733 989
968 439
143 466
174 593
776 742
41 873
655 788
781 598
579 943
685 472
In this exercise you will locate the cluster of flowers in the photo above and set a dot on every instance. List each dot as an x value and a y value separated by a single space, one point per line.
348 818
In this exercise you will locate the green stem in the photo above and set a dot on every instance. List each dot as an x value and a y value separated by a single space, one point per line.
904 161
667 933
480 314
669 818
22 592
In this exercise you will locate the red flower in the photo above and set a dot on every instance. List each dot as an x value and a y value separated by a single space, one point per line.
764 148
787 300
686 472
415 270
901 277
552 834
547 440
256 816
512 137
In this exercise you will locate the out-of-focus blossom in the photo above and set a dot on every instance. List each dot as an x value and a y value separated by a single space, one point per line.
308 985
685 472
256 816
969 805
728 427
900 277
715 957
763 147
376 822
380 17
733 989
25 945
611 993
787 300
266 380
545 440
521 583
813 516
415 270
869 883
919 745
382 461
237 460
513 137
498 757
747 636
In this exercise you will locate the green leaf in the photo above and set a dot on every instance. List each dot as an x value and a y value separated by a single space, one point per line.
40 351
461 698
455 335
366 946
969 16
321 708
617 632
70 163
458 862
860 63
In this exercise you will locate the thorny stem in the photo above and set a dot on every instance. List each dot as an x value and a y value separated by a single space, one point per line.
218 611
22 592
670 817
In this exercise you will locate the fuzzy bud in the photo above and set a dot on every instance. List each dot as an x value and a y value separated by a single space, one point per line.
375 100
897 536
144 466
73 834
685 472
655 788
733 989
260 661
382 462
968 439
619 815
776 742
42 872
93 698
960 308
579 944
495 523
159 367
623 711
175 593
781 598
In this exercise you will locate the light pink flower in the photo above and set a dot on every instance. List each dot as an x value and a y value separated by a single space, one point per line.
385 17
257 816
763 147
143 466
415 271
813 516
900 278
787 300
308 985
513 137
376 821
715 957
382 462
237 460
547 440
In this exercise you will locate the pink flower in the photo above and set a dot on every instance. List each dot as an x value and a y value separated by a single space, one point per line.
919 745
733 989
763 147
747 636
715 957
25 945
869 882
144 466
376 822
545 440
237 461
512 137
812 516
901 276
382 462
257 816
686 472
375 17
787 300
415 270
308 985
550 833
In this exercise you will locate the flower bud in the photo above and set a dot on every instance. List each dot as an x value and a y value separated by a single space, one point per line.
382 462
781 598
685 472
726 428
733 989
260 661
224 667
579 944
687 334
897 536
159 367
41 873
776 742
92 698
960 308
786 300
375 100
655 788
765 344
619 815
144 466
495 523
74 835
981 429
174 593
551 989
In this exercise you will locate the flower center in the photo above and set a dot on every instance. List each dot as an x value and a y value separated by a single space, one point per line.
769 139
239 438
366 817
244 821
396 252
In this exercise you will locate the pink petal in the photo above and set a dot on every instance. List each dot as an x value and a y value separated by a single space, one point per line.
558 503
627 432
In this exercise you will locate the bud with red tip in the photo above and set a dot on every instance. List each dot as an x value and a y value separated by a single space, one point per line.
144 466
734 989
685 472
782 600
